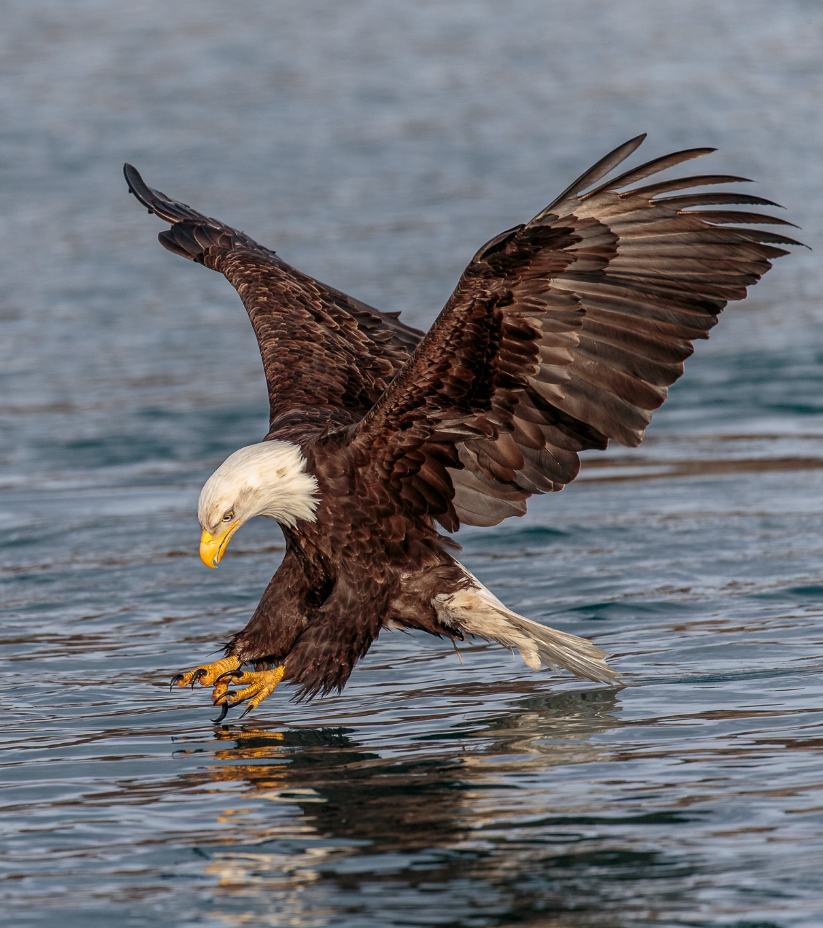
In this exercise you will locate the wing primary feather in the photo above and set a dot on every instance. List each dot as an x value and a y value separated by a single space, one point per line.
737 217
715 199
646 170
155 201
595 172
683 183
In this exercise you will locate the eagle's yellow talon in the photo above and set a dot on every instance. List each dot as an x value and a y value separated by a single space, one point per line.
220 689
225 673
260 684
207 674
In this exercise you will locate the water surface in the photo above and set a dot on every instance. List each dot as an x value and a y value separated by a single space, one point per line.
377 146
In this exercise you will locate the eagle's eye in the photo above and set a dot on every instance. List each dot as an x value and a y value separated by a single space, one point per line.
228 516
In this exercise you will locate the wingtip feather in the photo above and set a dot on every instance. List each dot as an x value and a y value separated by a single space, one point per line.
593 174
655 166
137 186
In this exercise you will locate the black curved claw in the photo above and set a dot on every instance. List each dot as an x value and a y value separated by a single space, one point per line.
225 699
246 711
224 711
229 673
175 680
198 675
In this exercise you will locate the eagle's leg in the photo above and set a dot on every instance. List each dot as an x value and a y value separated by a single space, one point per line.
257 686
207 674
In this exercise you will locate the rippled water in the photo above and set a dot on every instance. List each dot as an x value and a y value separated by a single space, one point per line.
376 146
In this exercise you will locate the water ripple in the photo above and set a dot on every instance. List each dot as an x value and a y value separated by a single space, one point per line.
376 146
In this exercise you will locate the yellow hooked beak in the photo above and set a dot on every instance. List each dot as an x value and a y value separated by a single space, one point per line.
213 546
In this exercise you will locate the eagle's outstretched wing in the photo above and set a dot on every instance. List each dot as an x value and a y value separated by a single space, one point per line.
327 357
562 334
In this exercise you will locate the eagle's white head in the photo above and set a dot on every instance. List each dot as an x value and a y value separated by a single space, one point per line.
268 479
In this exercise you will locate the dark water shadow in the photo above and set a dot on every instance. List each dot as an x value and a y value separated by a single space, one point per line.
417 800
457 828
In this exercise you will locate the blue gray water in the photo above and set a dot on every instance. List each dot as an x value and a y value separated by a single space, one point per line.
376 146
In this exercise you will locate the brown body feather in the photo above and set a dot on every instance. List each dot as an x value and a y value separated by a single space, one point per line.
562 333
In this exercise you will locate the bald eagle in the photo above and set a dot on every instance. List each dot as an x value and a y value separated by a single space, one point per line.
562 333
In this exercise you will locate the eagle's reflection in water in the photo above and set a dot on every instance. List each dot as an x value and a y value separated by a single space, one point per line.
453 823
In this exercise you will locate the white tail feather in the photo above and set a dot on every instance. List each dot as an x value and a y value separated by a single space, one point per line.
477 611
